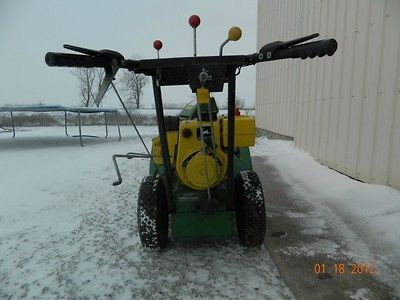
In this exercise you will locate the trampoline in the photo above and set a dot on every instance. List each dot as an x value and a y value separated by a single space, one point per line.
60 108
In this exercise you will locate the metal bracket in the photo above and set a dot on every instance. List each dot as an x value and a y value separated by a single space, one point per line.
108 78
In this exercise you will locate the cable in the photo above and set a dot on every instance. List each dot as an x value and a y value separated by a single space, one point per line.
134 126
203 148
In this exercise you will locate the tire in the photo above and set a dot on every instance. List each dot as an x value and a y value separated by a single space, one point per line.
250 209
152 213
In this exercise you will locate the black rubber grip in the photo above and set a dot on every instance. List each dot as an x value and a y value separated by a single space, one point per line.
54 59
308 50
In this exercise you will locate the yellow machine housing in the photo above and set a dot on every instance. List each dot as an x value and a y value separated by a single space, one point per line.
191 163
172 139
187 157
245 131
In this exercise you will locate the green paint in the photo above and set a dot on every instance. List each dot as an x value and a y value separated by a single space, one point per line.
243 162
191 201
153 169
190 110
195 219
202 226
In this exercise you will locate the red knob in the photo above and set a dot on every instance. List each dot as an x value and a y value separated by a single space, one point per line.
194 21
157 45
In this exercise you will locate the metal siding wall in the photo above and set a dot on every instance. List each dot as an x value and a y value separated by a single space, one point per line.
384 116
345 109
326 85
357 88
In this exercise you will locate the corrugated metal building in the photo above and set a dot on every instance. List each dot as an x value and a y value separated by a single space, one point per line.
345 109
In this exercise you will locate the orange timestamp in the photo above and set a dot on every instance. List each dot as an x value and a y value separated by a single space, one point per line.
355 269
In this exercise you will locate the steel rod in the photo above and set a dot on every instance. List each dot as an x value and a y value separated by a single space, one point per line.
105 122
203 150
13 124
168 175
129 155
212 136
65 123
133 123
221 48
116 121
194 43
231 133
80 127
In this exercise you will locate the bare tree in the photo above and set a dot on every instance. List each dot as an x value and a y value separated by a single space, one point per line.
240 102
89 83
133 85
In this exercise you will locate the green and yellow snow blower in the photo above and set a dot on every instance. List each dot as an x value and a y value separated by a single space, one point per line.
200 181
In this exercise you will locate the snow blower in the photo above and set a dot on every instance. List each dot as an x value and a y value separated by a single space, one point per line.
200 183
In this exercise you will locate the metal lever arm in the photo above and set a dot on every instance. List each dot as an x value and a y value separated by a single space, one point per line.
274 46
129 155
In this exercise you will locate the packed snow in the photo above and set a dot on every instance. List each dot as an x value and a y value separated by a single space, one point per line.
66 232
360 295
366 217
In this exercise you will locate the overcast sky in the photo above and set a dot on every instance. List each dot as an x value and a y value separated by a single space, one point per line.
29 29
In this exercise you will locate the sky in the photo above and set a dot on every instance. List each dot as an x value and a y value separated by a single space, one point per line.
30 29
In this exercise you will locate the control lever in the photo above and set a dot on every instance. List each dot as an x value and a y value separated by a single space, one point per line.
268 50
129 155
96 53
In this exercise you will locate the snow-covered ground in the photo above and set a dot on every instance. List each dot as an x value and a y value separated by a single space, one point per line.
66 232
365 217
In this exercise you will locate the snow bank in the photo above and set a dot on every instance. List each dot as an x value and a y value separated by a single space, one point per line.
367 216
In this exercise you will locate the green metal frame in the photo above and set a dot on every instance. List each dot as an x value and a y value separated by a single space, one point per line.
193 219
202 226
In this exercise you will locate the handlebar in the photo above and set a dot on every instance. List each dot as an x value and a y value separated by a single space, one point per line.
273 51
54 59
185 70
281 50
308 50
